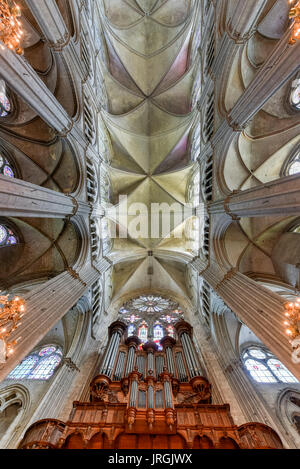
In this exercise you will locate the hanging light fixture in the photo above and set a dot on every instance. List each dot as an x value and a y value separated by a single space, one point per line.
11 313
295 16
11 30
292 323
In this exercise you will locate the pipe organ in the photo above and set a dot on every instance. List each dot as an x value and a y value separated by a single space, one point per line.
149 397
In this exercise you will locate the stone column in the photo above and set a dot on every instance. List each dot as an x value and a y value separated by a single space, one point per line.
132 342
257 307
184 331
46 304
273 198
22 78
282 64
116 330
244 18
48 16
168 343
23 199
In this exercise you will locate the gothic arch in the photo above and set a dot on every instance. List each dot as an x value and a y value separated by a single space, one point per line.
18 396
203 442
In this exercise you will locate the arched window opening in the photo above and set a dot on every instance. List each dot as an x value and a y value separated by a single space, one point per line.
295 229
40 365
92 182
7 236
210 51
5 104
209 117
295 94
265 368
6 168
96 304
89 125
281 372
293 166
143 332
131 330
85 53
207 182
95 239
171 331
158 334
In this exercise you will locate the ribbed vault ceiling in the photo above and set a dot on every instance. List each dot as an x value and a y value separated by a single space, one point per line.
149 79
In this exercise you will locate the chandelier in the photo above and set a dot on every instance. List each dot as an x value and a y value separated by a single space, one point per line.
295 16
10 26
11 312
292 322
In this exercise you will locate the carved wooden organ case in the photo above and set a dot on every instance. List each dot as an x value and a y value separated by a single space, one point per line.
149 399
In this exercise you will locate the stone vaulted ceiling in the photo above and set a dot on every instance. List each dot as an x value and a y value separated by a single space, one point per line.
150 79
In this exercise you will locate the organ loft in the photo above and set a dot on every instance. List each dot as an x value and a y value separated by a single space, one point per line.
151 395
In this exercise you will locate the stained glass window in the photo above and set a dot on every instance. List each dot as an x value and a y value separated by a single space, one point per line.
281 371
295 94
294 164
150 304
158 334
40 365
259 371
153 317
7 236
5 106
45 369
24 368
143 333
265 368
6 168
131 330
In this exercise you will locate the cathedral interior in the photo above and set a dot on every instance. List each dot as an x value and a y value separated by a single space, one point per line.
115 334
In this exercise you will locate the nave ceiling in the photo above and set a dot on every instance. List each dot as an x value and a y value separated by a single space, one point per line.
150 81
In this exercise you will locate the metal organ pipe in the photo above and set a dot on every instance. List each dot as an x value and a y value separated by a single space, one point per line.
130 360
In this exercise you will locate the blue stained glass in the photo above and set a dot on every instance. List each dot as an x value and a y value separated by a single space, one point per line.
46 367
24 368
38 366
3 234
46 351
12 240
5 105
7 171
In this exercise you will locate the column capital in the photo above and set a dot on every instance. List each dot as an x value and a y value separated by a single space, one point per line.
48 16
